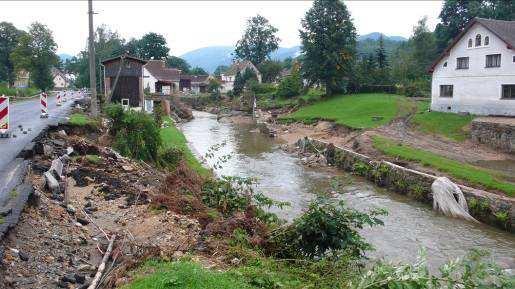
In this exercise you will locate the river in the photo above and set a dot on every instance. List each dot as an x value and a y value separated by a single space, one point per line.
409 227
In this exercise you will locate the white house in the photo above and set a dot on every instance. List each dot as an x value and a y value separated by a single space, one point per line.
476 72
157 78
60 80
229 76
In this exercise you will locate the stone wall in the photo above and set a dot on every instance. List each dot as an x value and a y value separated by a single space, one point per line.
484 206
499 133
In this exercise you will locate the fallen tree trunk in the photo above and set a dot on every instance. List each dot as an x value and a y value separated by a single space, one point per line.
102 265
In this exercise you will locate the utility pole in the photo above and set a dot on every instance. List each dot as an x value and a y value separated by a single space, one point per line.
92 69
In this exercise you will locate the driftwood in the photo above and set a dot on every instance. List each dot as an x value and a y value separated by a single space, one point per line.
102 265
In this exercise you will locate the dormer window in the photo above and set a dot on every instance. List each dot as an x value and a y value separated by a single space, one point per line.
478 40
487 40
470 43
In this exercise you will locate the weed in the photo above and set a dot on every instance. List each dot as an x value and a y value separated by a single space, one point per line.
361 168
13 194
502 216
93 159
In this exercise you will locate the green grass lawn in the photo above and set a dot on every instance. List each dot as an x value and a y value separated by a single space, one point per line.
474 175
173 137
355 111
185 275
450 125
79 119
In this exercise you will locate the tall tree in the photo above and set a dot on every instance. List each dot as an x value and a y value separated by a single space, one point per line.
153 46
179 63
382 62
270 69
424 46
456 14
258 41
328 44
36 53
8 40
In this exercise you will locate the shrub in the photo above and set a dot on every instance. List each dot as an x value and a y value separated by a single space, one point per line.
326 228
262 88
290 86
171 157
115 113
416 88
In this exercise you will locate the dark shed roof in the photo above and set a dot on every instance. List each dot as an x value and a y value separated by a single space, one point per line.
126 56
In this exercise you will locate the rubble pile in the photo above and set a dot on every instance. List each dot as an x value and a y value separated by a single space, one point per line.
61 240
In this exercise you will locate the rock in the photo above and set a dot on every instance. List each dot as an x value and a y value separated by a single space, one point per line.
62 284
79 278
62 132
235 261
47 150
51 182
57 167
84 286
69 278
69 150
127 168
70 209
23 256
82 221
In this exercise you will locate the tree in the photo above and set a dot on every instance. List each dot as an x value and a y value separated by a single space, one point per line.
8 40
238 85
328 45
220 69
198 71
132 47
258 41
456 14
270 69
424 46
35 52
153 46
179 63
382 62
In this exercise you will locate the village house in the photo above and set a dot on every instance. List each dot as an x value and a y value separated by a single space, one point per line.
60 79
22 79
129 87
228 77
476 73
160 79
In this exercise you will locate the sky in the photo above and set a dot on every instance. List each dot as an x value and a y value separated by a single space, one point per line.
189 25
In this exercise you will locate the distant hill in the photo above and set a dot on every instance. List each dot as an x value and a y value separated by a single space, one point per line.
63 56
212 56
209 58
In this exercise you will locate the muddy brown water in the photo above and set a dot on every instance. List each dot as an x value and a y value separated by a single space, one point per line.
410 226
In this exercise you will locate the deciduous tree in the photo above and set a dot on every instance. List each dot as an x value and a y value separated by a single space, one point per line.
153 46
270 69
328 45
179 63
258 41
8 40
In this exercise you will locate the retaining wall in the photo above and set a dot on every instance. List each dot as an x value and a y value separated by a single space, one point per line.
498 133
484 206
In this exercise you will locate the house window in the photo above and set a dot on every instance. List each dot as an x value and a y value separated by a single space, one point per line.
514 58
478 40
470 43
446 90
493 60
487 40
508 91
462 63
445 63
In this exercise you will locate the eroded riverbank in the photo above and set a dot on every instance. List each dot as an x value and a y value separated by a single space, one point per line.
409 227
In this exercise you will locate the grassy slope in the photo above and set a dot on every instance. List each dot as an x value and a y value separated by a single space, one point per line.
459 170
355 110
450 125
173 137
79 119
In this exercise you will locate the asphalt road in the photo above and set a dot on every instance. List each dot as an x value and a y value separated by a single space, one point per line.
27 115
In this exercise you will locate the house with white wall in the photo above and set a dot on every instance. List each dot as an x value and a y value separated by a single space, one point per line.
157 78
60 79
228 77
476 73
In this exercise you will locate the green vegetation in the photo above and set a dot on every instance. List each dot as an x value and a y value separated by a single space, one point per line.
450 125
173 138
79 119
21 92
13 193
355 111
93 159
477 176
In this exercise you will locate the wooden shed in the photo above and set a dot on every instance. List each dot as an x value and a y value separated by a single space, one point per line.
129 87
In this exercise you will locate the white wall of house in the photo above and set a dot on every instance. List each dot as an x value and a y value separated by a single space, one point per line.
149 81
478 89
60 82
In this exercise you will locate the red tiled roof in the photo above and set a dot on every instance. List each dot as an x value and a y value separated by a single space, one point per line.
162 73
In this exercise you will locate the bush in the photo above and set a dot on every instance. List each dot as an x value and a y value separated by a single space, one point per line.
290 86
416 88
19 92
262 88
171 157
136 133
326 228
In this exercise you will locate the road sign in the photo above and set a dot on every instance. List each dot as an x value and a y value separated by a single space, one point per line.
43 100
4 115
58 99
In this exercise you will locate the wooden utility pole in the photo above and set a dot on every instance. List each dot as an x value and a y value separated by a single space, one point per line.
92 66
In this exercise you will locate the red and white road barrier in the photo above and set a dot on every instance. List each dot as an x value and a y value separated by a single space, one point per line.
65 96
43 100
4 115
58 99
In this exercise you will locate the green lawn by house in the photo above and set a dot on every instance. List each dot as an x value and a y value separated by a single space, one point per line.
173 137
479 176
355 111
450 125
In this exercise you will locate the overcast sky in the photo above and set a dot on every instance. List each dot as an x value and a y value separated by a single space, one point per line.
190 25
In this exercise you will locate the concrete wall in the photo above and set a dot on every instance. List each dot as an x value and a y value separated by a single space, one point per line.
498 134
149 81
477 90
484 206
